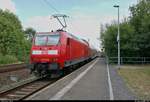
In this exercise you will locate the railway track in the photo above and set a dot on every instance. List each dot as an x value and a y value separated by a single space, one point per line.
22 90
12 67
25 89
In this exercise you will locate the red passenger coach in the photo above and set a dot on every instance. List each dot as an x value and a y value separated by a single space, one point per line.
54 51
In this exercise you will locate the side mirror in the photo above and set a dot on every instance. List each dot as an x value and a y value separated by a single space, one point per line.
33 41
68 41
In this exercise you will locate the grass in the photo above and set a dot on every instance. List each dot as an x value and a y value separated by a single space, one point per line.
11 59
7 59
137 79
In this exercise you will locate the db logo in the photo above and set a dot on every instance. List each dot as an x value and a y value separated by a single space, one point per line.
44 52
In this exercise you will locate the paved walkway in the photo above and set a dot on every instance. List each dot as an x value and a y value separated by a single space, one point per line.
120 89
92 86
90 82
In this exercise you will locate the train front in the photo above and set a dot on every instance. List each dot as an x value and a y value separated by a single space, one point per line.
45 53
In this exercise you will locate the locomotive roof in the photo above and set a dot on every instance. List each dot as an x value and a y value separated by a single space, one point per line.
52 32
79 39
46 33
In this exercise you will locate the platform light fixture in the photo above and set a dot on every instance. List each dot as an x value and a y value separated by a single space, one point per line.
118 37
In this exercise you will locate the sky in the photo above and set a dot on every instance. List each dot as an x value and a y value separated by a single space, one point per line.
85 16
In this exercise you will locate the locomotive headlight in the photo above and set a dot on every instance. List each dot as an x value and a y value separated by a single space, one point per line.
53 52
36 52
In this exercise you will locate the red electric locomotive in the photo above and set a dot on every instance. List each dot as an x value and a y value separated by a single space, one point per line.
54 51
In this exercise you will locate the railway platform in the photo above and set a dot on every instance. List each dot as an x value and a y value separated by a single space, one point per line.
91 82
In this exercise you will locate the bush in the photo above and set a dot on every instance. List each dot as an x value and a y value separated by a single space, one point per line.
13 44
7 59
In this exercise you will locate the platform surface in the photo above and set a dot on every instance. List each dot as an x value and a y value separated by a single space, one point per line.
90 82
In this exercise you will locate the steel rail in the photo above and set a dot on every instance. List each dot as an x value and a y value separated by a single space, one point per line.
12 67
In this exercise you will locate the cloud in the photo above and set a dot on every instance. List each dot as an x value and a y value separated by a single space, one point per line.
88 26
42 23
8 4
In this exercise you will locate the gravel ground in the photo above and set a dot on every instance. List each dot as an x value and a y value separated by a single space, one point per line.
120 90
13 76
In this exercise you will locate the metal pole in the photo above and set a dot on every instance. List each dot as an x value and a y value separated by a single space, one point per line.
118 40
118 37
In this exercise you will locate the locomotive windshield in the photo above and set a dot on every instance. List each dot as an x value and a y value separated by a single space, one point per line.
47 39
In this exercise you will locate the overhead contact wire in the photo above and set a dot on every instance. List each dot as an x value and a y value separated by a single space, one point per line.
51 6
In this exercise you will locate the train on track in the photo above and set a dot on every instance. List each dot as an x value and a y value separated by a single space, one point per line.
53 52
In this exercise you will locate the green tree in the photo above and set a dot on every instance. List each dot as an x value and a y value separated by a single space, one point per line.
109 41
12 40
134 33
29 33
140 20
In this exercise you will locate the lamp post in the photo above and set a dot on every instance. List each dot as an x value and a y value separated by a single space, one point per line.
118 37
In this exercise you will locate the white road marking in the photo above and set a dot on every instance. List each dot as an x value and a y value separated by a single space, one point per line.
63 91
110 86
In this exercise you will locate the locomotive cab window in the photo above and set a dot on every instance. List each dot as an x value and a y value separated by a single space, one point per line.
40 40
53 39
47 39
